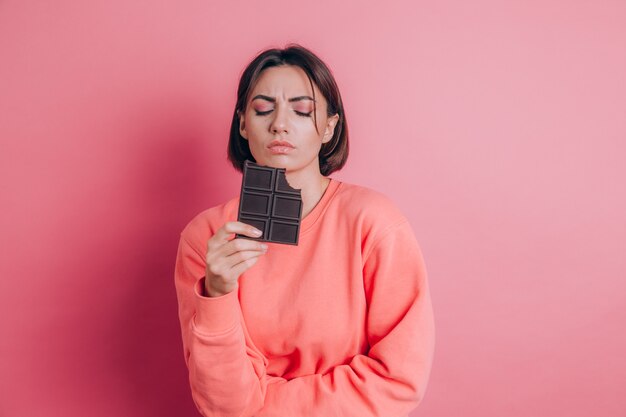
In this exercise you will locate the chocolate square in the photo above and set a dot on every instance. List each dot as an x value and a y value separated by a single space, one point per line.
270 204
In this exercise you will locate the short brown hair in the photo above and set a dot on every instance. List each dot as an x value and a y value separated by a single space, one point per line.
334 153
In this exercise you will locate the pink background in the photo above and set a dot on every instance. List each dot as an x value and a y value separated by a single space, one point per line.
499 128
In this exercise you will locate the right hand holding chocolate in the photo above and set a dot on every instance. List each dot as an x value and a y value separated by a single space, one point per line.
227 257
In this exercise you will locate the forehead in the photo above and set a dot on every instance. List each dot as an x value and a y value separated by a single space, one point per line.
285 81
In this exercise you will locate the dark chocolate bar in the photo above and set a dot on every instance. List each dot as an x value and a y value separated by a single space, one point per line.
268 203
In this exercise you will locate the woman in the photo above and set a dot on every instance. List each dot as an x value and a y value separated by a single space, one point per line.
339 325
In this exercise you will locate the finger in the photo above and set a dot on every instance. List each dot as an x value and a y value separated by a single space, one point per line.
236 258
230 228
238 245
225 234
243 266
228 269
218 255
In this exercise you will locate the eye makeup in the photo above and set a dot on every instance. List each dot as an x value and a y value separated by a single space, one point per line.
265 113
301 106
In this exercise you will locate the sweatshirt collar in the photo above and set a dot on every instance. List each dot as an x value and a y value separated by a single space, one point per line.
310 219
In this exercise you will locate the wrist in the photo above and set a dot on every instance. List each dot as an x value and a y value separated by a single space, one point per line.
207 291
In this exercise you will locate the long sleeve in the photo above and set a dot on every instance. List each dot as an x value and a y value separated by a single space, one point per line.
390 380
226 373
339 325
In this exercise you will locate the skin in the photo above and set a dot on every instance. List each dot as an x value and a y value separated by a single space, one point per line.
281 119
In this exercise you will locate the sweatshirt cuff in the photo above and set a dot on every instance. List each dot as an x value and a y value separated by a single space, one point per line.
215 314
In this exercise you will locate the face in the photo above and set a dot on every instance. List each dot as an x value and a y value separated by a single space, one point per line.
278 122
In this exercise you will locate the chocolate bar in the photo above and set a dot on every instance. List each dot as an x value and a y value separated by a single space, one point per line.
268 203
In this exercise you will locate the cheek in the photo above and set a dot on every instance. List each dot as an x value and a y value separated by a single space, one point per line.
321 121
254 124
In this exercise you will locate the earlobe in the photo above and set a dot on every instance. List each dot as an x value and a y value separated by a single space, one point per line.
330 128
242 127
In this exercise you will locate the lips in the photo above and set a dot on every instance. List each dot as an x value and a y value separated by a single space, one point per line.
281 143
280 147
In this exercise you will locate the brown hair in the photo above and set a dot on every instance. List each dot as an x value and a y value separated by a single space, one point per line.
334 153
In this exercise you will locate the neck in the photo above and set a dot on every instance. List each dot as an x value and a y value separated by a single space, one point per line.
312 186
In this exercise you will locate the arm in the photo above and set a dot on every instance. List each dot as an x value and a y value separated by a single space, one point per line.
390 380
226 372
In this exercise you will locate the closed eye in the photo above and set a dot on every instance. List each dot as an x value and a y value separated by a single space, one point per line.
264 113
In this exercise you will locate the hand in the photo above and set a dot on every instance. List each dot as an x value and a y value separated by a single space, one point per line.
227 258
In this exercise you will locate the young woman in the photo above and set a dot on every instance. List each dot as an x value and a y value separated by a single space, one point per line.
339 325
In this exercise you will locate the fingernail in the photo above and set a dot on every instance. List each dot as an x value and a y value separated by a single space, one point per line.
257 232
263 246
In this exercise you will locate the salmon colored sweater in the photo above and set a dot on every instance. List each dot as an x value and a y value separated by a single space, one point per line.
340 325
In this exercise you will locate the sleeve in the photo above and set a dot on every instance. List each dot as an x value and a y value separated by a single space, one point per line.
227 374
390 380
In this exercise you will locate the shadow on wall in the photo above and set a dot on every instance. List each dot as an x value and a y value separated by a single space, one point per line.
173 181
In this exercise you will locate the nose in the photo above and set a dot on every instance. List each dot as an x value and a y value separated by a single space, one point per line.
279 123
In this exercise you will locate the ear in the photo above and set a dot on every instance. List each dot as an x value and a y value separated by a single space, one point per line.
242 125
330 128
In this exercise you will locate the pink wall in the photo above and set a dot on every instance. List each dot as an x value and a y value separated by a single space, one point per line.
500 130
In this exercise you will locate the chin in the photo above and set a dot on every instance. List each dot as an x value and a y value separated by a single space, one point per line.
276 161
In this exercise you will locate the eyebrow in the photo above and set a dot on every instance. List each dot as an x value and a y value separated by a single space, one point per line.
273 99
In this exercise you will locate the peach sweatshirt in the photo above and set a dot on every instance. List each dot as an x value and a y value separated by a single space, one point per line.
340 325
